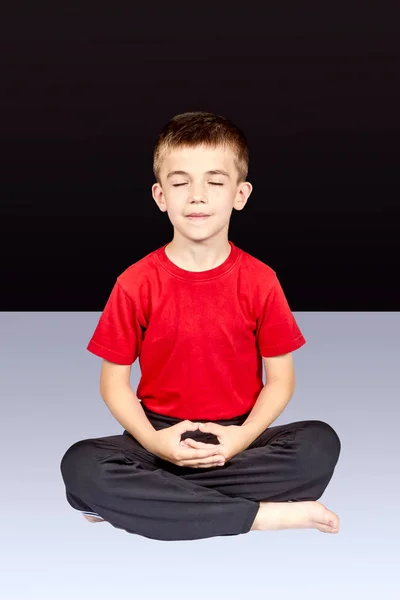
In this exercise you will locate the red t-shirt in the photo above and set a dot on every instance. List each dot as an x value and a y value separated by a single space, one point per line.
199 336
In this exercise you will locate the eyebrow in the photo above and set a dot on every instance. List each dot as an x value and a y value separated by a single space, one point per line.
214 172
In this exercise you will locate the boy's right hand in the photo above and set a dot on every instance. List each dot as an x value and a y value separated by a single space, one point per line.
168 446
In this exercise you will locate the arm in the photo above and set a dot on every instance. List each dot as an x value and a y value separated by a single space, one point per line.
123 403
273 398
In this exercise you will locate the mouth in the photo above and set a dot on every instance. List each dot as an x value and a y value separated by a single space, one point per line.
198 217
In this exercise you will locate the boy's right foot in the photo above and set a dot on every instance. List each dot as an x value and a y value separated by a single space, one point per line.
295 515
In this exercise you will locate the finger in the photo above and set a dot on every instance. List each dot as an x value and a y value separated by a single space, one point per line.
210 466
211 428
205 462
195 444
192 444
186 426
184 444
197 453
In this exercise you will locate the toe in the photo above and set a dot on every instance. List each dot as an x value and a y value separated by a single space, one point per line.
325 528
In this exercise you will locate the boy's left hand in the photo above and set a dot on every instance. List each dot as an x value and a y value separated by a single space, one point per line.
230 438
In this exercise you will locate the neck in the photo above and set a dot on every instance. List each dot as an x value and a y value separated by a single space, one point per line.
196 257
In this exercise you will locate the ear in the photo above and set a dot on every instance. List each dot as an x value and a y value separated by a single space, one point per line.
158 195
242 195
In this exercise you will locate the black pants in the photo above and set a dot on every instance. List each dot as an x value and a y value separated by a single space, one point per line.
131 488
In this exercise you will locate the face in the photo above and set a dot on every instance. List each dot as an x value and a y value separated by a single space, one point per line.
190 184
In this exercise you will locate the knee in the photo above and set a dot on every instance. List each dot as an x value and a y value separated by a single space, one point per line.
77 460
324 443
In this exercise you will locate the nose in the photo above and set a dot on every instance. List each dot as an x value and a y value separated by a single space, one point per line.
197 191
198 196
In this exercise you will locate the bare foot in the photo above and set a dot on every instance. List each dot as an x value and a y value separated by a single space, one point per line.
295 515
93 519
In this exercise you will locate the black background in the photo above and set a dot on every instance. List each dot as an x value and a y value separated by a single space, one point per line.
84 93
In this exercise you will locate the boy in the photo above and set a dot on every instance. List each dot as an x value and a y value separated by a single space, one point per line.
198 457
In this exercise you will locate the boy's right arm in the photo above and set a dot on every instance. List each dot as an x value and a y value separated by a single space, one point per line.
124 405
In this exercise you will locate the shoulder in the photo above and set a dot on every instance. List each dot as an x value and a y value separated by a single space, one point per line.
258 273
251 262
137 274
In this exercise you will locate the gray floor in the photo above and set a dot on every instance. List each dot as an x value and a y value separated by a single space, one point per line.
347 374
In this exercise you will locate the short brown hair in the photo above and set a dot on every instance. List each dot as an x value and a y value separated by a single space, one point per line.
202 129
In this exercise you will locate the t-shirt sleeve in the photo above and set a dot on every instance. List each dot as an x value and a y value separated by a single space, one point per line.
277 331
118 335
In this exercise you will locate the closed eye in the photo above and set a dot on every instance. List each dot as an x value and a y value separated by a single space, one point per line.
179 184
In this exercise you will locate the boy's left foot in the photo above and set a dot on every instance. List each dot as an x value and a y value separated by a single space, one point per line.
93 519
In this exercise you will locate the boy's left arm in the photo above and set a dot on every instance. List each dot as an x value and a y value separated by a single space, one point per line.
270 403
273 398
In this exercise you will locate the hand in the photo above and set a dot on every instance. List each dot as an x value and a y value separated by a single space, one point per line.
168 446
230 437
